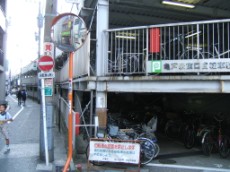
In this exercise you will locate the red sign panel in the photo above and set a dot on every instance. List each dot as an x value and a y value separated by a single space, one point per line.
154 46
46 63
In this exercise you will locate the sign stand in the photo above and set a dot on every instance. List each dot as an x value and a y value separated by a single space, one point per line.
45 64
44 121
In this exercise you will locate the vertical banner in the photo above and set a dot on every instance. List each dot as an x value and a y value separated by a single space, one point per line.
154 44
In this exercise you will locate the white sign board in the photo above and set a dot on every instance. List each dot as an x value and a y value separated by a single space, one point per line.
48 82
188 66
42 75
125 152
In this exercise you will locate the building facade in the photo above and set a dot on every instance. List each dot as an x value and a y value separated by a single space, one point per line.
2 46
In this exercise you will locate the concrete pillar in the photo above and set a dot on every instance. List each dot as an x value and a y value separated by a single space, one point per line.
51 7
102 42
2 84
2 73
102 48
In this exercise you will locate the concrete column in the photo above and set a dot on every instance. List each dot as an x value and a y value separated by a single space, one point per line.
2 73
102 48
51 7
2 84
102 42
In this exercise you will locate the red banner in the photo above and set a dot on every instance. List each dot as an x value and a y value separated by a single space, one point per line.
154 46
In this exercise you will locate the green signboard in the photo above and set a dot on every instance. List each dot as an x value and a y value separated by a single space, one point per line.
48 91
156 66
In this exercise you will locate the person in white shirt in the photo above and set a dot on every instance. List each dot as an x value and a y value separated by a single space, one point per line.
4 118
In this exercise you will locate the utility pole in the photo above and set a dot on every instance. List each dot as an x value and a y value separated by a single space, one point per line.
50 13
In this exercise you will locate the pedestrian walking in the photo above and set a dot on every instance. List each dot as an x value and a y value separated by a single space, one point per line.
19 96
24 95
4 118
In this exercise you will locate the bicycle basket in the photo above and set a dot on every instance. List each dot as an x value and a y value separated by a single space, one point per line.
113 130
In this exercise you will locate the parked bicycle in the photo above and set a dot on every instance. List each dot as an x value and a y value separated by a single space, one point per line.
148 131
194 131
174 128
123 62
218 54
214 138
147 148
178 48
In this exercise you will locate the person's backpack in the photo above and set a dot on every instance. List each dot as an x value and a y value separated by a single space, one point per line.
23 92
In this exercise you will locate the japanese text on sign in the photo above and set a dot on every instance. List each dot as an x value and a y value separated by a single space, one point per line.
196 65
48 48
46 75
125 152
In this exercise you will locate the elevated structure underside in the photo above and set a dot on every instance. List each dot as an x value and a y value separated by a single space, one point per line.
154 84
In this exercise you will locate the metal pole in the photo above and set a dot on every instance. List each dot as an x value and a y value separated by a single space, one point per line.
91 113
44 121
40 25
59 113
70 116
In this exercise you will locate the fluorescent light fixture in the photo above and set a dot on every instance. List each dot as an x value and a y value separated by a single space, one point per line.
180 4
125 37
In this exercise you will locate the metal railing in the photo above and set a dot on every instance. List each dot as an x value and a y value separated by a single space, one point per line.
63 106
179 47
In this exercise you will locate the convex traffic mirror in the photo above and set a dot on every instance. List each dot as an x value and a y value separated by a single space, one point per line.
68 32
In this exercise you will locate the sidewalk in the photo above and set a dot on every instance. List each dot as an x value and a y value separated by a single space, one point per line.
24 137
24 154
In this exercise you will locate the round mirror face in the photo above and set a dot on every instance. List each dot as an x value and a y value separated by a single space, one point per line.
68 32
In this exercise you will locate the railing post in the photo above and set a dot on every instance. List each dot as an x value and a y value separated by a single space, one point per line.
147 51
198 41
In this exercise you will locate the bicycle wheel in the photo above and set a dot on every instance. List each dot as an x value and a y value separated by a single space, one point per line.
97 163
189 138
153 138
148 135
147 150
206 55
224 147
157 149
190 54
207 143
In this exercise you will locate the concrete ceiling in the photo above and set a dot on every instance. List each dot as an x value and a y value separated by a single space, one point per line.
123 13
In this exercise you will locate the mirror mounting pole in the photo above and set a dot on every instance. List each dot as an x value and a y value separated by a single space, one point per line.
70 116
